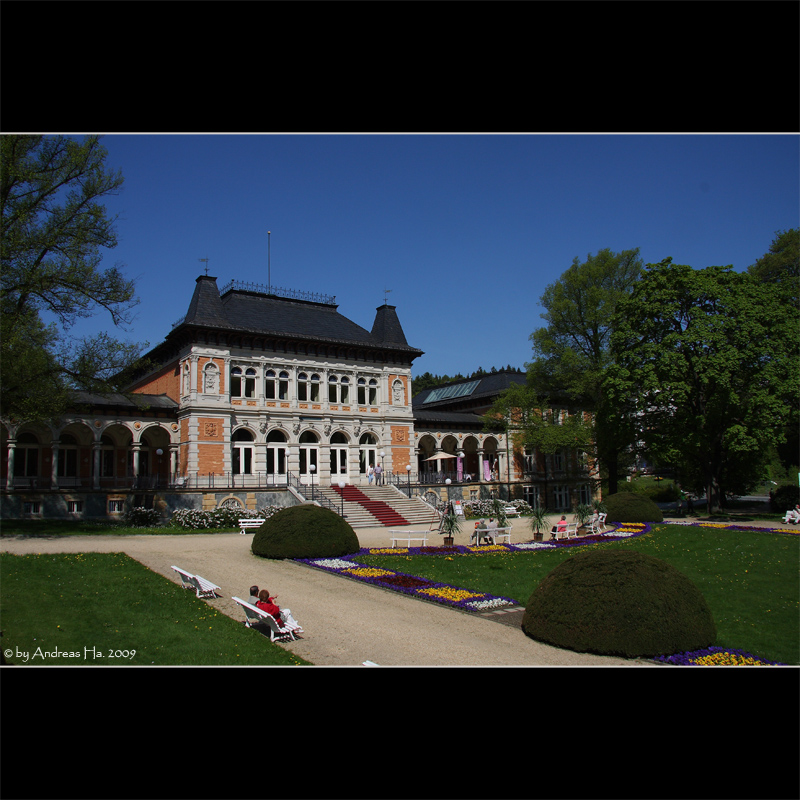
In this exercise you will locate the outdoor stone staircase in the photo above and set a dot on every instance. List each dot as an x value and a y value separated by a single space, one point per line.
371 506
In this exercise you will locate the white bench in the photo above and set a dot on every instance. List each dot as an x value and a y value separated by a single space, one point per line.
408 537
202 587
254 615
492 533
244 524
569 533
510 511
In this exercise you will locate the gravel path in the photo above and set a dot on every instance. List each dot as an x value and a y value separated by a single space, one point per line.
346 622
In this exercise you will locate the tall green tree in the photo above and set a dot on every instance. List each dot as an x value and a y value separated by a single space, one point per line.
54 231
710 359
781 264
572 352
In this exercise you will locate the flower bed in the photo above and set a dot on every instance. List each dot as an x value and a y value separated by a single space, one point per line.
422 588
349 567
468 600
716 657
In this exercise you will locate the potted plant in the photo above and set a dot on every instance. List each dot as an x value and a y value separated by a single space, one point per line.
538 522
449 525
499 512
583 514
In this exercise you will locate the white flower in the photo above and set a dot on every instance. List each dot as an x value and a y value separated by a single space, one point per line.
333 563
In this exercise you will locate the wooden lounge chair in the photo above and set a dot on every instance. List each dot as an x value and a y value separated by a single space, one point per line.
202 587
255 616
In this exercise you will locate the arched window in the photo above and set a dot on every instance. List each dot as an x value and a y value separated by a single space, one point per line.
270 384
345 390
283 385
277 453
302 387
367 452
367 392
236 381
339 455
242 452
309 453
333 386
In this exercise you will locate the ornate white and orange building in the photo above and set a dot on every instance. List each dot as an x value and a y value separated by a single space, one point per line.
255 397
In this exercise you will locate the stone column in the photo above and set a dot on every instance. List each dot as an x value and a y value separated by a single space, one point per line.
54 465
12 446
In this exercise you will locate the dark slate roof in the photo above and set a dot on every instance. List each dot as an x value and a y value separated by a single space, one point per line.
267 314
488 386
386 328
206 306
118 400
448 417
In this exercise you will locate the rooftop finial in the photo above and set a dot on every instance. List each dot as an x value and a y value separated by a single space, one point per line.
206 260
385 297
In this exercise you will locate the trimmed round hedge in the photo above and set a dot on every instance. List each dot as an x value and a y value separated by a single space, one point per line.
305 531
632 507
621 603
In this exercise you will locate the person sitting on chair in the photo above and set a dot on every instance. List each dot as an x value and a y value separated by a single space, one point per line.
793 515
477 533
253 599
491 530
283 618
559 527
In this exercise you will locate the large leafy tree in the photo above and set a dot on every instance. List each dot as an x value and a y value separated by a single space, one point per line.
572 352
781 264
54 231
709 359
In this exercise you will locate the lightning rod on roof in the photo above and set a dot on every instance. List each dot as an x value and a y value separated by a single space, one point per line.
269 265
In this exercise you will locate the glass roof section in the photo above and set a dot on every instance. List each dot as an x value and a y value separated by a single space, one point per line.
451 392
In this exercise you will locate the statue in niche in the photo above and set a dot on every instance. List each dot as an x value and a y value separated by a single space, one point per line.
210 378
397 393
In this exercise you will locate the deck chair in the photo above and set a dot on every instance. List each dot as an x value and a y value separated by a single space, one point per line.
255 616
201 586
599 525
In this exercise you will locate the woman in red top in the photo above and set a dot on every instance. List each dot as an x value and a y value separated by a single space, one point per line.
265 603
283 618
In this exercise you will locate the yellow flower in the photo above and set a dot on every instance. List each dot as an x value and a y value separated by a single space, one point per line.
449 593
367 572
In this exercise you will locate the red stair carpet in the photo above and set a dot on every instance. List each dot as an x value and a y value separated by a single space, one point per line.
382 512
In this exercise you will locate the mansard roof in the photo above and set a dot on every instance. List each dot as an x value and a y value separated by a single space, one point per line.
261 313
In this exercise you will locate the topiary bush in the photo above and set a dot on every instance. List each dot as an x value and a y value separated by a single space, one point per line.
632 507
785 497
305 531
621 603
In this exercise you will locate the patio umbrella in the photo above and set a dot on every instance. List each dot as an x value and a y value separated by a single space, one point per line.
441 455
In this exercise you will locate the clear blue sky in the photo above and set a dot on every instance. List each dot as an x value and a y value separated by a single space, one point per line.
466 231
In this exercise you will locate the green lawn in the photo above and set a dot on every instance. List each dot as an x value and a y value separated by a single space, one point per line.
95 605
108 609
750 580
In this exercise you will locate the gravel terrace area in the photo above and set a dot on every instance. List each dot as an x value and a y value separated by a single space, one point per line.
346 622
